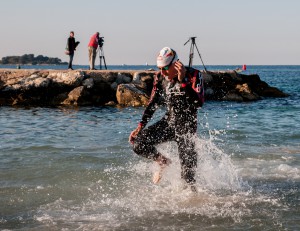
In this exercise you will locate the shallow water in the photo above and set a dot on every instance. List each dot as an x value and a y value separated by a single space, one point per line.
73 168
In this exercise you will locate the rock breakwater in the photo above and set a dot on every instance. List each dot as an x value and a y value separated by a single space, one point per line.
112 87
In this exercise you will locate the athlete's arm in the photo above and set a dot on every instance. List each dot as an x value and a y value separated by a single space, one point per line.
148 113
134 134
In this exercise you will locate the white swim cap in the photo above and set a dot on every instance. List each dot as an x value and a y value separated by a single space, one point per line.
166 56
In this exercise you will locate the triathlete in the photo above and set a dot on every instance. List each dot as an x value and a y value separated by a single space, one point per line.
171 88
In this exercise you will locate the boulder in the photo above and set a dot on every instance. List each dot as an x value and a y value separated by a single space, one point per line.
71 78
122 78
102 76
144 81
233 86
136 78
88 83
78 96
130 95
273 92
246 93
233 96
31 82
114 86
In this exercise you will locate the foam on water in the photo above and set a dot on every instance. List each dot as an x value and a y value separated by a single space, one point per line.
128 199
269 169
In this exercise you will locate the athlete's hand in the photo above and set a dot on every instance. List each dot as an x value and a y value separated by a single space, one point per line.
180 70
134 134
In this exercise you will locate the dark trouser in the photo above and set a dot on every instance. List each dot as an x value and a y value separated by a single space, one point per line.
71 60
160 132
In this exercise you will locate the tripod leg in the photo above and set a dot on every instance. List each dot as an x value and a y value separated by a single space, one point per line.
200 57
191 54
100 57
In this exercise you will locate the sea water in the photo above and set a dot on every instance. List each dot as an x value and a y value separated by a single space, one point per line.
73 168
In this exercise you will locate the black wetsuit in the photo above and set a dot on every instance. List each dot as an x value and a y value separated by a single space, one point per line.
179 124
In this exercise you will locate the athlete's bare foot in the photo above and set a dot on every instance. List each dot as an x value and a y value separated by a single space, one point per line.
163 162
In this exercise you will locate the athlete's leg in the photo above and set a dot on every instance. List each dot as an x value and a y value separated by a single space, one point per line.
188 157
144 144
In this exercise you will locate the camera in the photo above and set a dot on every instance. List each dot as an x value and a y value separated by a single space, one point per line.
100 41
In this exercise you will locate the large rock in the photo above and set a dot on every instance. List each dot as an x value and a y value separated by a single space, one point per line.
102 76
130 95
72 78
23 84
78 96
242 92
232 86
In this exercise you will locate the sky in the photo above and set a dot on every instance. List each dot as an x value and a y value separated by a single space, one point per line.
231 32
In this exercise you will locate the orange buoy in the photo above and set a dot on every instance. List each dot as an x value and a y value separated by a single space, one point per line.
244 67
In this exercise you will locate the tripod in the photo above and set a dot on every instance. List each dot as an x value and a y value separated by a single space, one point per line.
193 45
101 56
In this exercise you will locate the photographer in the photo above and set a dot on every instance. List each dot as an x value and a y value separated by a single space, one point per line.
71 47
93 45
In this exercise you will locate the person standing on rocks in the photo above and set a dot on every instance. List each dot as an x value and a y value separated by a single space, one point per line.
172 88
93 45
71 47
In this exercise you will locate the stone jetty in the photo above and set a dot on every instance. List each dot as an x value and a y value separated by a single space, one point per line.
116 87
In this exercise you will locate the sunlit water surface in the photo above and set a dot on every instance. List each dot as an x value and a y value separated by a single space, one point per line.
73 168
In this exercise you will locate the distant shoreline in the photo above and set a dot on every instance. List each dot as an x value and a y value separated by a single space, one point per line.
30 64
30 59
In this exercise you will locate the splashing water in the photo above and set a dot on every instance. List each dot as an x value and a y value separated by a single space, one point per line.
125 198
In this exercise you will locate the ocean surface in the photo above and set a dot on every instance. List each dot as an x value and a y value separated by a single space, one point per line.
73 168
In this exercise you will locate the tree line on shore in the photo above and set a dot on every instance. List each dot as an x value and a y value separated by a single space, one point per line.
29 59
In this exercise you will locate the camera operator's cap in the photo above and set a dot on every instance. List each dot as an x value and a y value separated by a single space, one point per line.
166 56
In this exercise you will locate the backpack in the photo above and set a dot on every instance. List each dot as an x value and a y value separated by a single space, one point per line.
195 79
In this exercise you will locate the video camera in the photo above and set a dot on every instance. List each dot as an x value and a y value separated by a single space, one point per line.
100 41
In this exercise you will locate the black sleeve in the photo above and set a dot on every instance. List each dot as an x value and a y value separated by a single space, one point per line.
152 104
